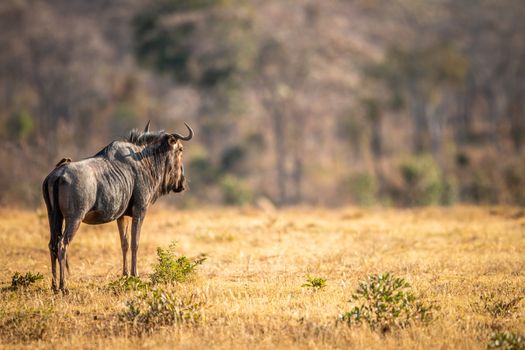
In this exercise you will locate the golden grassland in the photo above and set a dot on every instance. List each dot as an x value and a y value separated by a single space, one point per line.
464 259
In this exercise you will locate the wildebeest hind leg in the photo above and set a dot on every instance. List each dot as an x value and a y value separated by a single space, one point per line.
123 224
69 232
56 220
53 254
67 266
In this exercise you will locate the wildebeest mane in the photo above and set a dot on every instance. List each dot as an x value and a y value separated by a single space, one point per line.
141 138
136 137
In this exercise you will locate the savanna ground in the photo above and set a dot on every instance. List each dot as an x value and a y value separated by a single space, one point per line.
469 261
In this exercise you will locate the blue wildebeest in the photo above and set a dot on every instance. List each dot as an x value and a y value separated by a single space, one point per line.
122 180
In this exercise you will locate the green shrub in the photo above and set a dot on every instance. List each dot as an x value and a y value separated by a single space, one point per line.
232 159
385 302
234 191
364 188
22 281
20 125
514 182
127 283
422 181
172 269
480 187
202 170
449 190
157 307
507 341
315 283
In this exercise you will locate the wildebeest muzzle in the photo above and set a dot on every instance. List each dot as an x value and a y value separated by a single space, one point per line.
181 185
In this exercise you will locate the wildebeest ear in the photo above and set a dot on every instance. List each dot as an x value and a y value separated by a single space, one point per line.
146 129
171 140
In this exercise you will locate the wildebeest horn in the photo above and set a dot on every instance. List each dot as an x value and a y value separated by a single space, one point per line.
185 138
146 129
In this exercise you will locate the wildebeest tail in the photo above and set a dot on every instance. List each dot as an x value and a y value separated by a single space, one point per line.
54 215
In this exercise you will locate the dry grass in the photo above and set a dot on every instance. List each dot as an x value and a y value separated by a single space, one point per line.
466 260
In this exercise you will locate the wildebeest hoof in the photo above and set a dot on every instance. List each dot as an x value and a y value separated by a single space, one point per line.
65 291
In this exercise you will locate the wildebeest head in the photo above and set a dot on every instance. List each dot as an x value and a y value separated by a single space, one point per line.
176 178
167 149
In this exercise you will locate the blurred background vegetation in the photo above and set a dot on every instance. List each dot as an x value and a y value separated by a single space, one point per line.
367 102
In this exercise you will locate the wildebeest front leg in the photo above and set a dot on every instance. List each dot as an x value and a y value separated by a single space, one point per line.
136 224
69 232
123 224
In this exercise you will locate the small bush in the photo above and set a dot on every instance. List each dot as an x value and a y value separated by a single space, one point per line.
364 188
232 159
22 281
202 170
385 302
507 341
20 125
422 179
449 190
315 283
235 191
172 269
127 283
514 182
155 308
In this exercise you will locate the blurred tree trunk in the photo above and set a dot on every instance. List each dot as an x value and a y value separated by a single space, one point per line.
296 174
279 131
516 115
276 113
419 120
465 102
376 142
297 177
